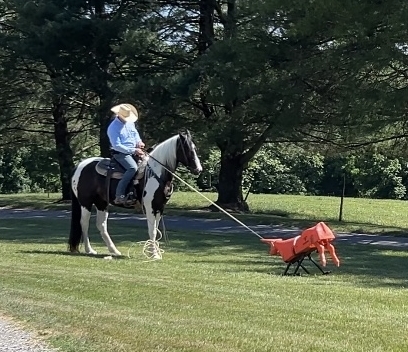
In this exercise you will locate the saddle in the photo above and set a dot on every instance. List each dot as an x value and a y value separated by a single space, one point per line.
112 169
115 170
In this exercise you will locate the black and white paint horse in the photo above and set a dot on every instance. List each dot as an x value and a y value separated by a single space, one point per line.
90 187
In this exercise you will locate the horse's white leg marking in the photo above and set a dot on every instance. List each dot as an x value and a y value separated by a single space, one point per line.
85 216
153 224
152 220
102 225
78 171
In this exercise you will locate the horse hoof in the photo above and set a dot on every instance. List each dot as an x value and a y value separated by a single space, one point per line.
156 256
115 252
92 252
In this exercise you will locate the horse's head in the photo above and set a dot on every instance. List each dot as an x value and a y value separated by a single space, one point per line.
187 153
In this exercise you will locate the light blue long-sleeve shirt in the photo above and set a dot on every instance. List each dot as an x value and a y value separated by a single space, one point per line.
123 136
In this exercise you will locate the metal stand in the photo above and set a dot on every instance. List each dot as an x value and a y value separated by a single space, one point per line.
298 260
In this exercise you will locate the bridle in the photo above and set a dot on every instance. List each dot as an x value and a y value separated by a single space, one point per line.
184 153
153 173
165 166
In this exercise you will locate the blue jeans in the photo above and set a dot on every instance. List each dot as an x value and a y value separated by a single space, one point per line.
127 161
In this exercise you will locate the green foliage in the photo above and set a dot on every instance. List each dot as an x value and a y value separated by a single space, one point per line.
208 180
241 75
285 169
43 170
291 169
337 169
13 174
187 177
379 177
25 170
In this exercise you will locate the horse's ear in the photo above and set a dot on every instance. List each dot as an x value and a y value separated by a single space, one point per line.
185 134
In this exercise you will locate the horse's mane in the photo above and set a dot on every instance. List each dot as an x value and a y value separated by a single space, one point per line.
166 151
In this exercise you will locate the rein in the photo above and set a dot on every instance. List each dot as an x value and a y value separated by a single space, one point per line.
157 161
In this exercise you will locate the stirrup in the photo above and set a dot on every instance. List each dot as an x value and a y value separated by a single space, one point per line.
126 201
130 199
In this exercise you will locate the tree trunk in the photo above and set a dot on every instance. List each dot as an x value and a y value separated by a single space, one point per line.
104 119
232 161
100 80
206 26
62 146
230 182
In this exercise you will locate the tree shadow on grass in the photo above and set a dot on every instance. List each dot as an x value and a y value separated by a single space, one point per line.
386 265
47 231
366 265
69 254
56 231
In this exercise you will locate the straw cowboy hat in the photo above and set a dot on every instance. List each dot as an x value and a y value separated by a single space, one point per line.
126 112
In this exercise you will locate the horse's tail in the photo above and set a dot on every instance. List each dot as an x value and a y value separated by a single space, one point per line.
76 228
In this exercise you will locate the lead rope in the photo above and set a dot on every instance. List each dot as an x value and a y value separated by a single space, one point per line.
218 207
206 198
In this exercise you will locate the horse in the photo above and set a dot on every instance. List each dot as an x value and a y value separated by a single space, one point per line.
94 183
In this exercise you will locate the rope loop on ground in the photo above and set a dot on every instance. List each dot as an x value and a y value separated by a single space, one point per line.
151 249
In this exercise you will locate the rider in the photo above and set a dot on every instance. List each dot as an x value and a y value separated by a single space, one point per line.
126 142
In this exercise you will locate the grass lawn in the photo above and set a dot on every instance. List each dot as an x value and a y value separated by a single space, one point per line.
360 215
210 293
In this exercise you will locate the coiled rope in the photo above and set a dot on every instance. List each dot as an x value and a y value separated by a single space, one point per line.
150 254
151 249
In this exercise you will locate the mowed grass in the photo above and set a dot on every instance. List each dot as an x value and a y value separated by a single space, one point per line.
359 215
210 293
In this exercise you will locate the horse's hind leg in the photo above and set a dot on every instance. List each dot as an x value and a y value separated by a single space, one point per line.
102 225
85 216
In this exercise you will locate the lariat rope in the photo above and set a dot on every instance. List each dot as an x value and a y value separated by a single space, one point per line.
206 198
151 249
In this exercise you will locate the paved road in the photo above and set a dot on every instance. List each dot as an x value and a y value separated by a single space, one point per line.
219 226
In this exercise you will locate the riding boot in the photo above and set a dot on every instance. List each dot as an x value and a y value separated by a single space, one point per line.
120 200
126 201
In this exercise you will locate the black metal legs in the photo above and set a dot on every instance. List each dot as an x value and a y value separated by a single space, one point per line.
298 261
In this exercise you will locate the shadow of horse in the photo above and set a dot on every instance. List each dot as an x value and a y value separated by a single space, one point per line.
70 254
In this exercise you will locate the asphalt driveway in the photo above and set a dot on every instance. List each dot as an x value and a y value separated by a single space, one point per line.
219 226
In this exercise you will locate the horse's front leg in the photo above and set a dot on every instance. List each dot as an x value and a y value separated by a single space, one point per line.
152 225
102 225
